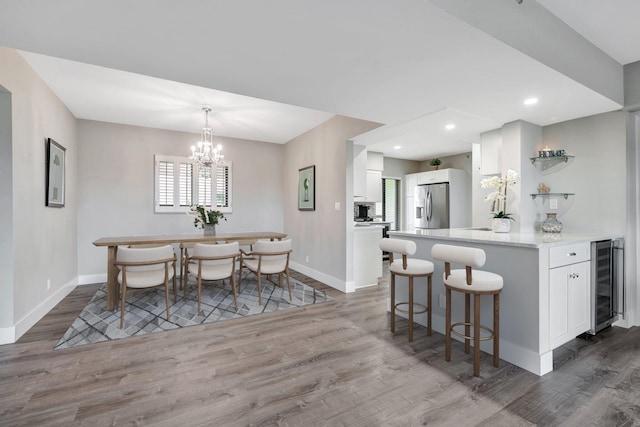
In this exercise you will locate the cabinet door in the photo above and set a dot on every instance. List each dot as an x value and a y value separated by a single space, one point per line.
580 298
374 186
359 171
570 302
560 331
409 213
490 152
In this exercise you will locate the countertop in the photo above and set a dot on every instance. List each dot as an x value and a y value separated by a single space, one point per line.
525 239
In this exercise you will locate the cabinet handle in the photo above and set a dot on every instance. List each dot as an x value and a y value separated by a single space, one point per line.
572 254
574 275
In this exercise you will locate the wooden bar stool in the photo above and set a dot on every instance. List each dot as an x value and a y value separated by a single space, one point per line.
410 268
470 282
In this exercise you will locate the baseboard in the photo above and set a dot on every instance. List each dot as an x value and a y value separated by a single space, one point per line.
321 277
31 318
7 335
89 279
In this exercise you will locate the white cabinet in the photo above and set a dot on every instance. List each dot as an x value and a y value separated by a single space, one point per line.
434 177
410 182
359 171
374 186
490 152
367 255
375 161
569 294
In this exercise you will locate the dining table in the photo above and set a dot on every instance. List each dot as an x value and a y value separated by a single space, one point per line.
112 243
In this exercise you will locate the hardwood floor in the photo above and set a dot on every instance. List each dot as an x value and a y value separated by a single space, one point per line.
332 364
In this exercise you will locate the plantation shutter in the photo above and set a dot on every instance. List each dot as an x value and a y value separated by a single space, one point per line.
165 183
186 183
222 187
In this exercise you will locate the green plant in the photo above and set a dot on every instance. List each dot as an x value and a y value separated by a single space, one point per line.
435 162
204 216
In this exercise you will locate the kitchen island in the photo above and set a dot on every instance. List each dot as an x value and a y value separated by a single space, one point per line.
546 298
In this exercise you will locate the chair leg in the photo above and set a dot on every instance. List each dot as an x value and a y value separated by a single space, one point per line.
476 335
259 289
447 352
175 289
467 319
235 292
166 293
184 287
199 291
429 305
496 330
122 302
289 285
393 303
410 308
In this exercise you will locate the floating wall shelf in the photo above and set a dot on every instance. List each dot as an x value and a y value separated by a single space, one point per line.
551 195
548 165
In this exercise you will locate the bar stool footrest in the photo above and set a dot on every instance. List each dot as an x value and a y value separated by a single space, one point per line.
461 335
402 310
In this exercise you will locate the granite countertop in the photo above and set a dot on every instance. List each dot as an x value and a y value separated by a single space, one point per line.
524 239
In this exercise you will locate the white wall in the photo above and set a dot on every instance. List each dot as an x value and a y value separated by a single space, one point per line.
116 190
44 239
321 234
6 213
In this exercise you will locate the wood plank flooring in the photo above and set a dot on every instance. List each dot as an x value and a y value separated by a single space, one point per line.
332 364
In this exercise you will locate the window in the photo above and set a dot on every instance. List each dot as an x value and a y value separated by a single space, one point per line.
180 184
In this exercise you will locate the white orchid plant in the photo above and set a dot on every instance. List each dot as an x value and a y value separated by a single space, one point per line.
204 216
498 196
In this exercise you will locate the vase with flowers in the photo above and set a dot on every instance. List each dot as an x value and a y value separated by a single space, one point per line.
207 219
498 197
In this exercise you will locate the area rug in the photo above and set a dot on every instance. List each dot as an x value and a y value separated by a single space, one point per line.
145 309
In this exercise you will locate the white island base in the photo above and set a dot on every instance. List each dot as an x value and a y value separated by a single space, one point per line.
545 300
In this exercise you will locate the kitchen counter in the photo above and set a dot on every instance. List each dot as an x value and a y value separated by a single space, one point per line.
525 240
534 303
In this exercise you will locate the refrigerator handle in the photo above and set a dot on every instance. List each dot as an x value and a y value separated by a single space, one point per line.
428 206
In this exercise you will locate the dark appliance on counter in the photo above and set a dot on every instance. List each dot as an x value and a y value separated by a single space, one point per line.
362 213
607 283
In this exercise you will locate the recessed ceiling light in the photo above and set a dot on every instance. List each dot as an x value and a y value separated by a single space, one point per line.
530 101
397 147
450 126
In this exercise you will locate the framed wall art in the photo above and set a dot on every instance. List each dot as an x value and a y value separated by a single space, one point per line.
55 174
307 188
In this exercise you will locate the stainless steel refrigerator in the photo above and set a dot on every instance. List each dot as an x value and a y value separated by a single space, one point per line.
432 206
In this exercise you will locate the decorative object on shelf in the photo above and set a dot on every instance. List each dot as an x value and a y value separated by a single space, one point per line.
498 197
548 152
543 188
55 174
207 219
307 188
435 163
205 155
551 224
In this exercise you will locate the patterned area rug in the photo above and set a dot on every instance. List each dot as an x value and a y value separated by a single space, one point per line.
145 309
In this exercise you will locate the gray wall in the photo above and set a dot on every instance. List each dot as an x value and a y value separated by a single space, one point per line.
321 234
44 239
459 161
598 175
116 190
632 86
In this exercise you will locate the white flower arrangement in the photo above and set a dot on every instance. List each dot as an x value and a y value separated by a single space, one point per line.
499 196
204 216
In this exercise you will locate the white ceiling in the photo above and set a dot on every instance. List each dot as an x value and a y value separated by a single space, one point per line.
387 62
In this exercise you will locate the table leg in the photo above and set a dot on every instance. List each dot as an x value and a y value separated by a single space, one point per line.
112 278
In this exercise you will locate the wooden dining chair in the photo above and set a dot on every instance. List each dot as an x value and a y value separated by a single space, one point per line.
142 268
267 258
210 262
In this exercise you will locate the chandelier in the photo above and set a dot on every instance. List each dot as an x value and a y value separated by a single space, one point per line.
205 155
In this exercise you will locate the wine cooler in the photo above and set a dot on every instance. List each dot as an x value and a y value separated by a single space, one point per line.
607 283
